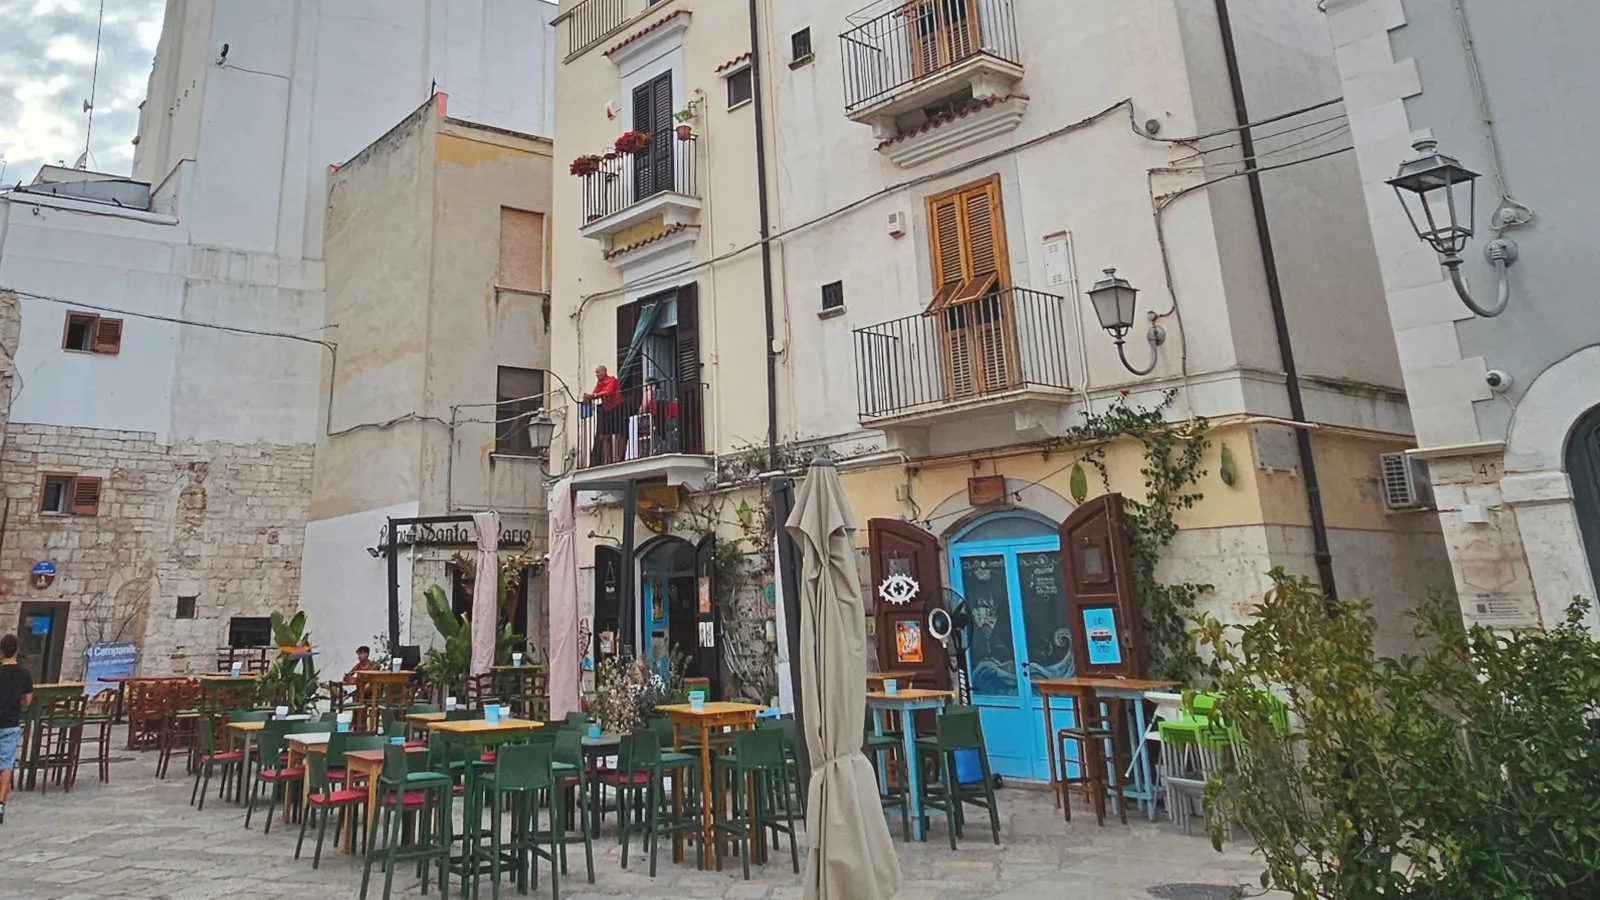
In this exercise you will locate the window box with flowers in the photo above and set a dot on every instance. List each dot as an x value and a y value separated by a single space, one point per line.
586 165
633 142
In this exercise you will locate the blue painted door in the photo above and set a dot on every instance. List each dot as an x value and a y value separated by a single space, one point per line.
1014 591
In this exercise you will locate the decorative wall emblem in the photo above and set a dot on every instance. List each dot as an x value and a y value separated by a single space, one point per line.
898 589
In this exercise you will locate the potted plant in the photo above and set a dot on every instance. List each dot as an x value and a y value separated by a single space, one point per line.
292 679
633 141
684 117
587 164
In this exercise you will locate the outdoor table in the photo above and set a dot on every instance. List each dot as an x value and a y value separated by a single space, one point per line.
367 764
244 734
378 690
298 747
1124 690
420 721
710 717
480 733
907 703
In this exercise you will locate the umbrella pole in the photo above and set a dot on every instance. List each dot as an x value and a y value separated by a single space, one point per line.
789 594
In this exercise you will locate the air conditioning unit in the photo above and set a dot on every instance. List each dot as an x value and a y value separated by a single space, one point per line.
1405 482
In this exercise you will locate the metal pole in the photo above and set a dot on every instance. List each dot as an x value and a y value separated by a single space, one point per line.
625 619
392 552
789 595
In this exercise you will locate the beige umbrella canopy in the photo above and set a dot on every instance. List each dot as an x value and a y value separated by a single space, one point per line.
850 855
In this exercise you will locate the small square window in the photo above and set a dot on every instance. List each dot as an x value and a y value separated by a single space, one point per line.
186 607
80 333
833 296
741 88
57 498
800 48
519 394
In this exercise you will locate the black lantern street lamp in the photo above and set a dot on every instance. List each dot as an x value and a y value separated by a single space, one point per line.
1440 197
1115 302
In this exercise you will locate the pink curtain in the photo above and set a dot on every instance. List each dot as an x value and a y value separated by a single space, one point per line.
564 655
486 591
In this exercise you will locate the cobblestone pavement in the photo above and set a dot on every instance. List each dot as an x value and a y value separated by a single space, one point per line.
137 837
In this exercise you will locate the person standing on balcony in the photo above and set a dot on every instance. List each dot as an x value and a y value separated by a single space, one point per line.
607 395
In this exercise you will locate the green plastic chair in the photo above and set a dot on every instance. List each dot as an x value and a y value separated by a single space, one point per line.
525 773
757 754
323 798
404 789
207 759
270 746
958 730
570 771
885 752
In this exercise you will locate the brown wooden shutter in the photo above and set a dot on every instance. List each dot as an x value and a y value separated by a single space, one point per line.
896 547
944 217
85 496
627 321
691 396
108 336
1100 597
521 250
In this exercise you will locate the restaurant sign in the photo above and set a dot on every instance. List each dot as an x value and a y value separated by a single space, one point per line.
454 535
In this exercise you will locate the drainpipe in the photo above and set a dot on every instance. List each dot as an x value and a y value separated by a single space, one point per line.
1280 321
764 203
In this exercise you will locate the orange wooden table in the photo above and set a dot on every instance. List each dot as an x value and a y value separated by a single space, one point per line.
367 765
1084 690
709 718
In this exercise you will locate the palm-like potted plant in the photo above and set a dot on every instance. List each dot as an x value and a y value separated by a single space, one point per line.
292 679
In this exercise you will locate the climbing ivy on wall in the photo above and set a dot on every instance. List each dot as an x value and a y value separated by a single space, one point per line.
1173 452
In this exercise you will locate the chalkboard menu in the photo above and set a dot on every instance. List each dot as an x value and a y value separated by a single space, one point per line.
987 590
1044 614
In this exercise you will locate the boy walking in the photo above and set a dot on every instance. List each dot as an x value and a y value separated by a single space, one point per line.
16 692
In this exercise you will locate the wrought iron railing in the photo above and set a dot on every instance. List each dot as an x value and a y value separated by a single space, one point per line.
656 419
622 179
1006 341
592 21
916 39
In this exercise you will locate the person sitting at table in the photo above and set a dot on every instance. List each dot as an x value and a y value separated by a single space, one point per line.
364 663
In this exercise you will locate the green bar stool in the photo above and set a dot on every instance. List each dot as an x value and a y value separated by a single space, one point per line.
570 771
663 817
524 772
403 789
958 730
885 752
757 755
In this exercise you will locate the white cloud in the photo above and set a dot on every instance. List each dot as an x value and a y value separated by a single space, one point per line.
47 57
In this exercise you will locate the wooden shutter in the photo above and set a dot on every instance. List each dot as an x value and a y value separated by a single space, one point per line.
644 184
896 547
1100 597
970 279
85 500
691 396
521 250
663 146
942 32
949 267
627 321
108 336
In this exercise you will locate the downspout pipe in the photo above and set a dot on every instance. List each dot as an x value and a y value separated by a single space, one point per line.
764 203
1321 552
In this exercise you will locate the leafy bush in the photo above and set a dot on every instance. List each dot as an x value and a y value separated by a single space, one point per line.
448 667
292 678
1470 771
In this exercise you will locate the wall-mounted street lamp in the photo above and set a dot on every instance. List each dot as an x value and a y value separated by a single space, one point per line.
1440 197
1114 302
541 434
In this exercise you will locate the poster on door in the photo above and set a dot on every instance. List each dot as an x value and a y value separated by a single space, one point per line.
1100 632
908 641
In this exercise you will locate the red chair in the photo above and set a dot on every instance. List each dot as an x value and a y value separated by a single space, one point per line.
206 761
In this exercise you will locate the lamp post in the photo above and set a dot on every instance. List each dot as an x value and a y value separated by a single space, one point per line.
541 434
1440 197
1115 302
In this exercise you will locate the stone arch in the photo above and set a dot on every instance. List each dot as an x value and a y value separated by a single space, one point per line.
1546 414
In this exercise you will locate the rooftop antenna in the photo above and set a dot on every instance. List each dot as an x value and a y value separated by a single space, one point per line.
94 83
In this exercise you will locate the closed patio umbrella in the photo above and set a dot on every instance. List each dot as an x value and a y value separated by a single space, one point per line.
849 855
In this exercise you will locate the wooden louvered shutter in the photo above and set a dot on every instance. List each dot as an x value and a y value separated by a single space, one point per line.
691 397
971 277
662 145
627 321
85 499
108 336
644 182
949 268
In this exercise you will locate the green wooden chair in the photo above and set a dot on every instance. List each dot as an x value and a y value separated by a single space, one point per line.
208 760
524 773
324 799
270 769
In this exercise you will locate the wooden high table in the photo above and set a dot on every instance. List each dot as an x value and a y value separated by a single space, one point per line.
378 690
1125 690
709 718
906 703
366 765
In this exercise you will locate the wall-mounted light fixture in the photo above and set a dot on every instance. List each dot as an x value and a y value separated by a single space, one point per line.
1115 302
1440 197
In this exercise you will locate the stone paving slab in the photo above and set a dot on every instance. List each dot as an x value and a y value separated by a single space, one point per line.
138 838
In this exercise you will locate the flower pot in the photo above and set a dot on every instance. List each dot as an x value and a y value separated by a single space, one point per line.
685 132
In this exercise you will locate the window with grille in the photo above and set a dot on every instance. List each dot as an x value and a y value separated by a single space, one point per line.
800 51
832 296
519 394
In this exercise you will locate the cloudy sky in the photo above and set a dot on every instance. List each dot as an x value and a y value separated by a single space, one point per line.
46 63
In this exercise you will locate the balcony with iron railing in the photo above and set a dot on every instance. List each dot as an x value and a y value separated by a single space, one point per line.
590 22
1003 352
650 431
621 190
904 56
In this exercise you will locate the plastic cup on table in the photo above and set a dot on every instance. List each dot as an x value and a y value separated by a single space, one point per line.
394 664
397 740
697 700
449 704
491 713
235 669
516 660
594 731
891 687
280 712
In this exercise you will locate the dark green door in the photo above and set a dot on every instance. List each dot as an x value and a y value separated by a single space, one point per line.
1583 467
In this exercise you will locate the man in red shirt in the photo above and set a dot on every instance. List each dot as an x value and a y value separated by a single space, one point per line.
607 395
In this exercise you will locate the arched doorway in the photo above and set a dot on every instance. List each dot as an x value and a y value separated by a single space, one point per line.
1583 468
676 609
1007 567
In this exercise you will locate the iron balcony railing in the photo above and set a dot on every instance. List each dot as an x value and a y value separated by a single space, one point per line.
667 164
655 419
1006 341
917 39
592 21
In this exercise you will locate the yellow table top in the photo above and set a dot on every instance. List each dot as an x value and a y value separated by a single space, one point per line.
710 709
426 717
911 694
246 727
482 726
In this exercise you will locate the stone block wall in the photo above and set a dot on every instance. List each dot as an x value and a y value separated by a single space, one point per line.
223 523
